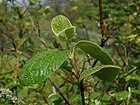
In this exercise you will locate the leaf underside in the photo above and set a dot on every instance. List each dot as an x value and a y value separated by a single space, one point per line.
105 72
95 51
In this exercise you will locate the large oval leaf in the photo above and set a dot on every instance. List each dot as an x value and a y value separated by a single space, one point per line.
59 23
95 51
105 72
41 66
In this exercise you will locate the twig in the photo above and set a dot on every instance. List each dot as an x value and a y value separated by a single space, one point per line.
72 57
58 90
66 78
132 71
82 92
44 96
69 77
129 73
77 75
93 65
120 55
88 59
102 24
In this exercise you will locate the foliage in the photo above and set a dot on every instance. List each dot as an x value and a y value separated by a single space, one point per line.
95 51
106 72
70 67
41 66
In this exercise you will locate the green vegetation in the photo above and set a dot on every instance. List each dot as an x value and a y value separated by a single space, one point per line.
70 52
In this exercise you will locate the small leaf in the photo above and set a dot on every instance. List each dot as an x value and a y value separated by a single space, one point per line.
95 51
67 33
59 23
121 95
106 97
41 66
105 72
62 27
132 6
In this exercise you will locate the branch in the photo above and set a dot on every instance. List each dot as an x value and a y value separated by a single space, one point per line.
82 92
77 75
93 65
102 24
58 90
76 72
117 49
129 73
132 71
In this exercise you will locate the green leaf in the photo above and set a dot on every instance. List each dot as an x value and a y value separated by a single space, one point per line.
95 51
59 23
41 66
132 6
106 97
105 72
62 27
67 33
121 95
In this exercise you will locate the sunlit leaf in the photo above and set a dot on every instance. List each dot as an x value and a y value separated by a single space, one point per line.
59 23
62 27
41 66
67 33
105 72
95 51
